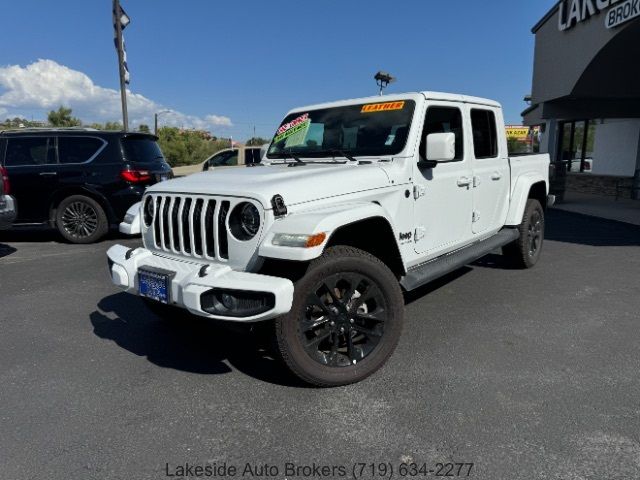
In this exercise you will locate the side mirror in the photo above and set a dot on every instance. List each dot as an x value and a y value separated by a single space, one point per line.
441 147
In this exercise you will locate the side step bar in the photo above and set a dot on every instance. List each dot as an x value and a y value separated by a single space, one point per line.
427 272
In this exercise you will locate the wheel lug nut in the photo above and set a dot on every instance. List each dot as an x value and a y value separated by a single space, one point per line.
351 321
332 323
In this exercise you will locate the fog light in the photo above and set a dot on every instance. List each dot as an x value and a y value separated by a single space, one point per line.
236 303
229 301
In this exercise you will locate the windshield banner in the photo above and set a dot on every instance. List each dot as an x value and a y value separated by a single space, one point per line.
297 125
382 107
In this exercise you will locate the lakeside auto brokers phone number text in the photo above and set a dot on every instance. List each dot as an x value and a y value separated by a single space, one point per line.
359 471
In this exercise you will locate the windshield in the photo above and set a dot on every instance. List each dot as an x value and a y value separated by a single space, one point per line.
372 129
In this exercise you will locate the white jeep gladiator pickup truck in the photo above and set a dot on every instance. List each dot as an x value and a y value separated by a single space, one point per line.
355 202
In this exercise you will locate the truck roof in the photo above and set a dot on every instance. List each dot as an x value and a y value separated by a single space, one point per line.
449 97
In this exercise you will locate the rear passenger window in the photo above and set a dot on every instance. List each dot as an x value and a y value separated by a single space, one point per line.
485 138
30 151
253 156
77 149
444 120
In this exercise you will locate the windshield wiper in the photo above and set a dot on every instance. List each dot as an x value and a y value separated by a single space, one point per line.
334 152
284 155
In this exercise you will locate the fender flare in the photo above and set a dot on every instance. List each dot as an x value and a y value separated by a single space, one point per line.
323 220
520 194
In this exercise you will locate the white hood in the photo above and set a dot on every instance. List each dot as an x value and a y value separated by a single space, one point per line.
304 183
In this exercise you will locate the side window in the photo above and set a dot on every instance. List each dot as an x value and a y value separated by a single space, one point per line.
444 120
225 159
232 158
77 149
485 138
30 151
252 155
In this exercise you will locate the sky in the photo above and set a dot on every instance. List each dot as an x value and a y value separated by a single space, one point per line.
234 66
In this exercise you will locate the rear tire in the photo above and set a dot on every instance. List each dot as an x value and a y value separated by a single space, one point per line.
345 321
81 219
525 251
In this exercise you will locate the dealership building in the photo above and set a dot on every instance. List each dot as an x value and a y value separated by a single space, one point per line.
585 95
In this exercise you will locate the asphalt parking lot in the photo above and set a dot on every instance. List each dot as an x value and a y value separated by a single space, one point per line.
525 374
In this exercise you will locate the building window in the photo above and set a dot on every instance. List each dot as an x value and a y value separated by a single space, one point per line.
576 141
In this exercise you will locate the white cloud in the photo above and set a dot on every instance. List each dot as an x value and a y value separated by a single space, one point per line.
45 85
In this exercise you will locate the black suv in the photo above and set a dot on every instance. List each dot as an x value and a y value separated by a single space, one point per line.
80 181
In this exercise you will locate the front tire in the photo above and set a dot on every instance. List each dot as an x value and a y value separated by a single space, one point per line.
81 219
345 321
525 251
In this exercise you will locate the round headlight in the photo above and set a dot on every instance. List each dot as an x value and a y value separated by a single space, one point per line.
148 211
244 221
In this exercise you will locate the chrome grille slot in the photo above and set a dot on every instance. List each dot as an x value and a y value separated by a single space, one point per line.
156 223
175 227
197 227
209 229
191 226
223 243
186 225
165 221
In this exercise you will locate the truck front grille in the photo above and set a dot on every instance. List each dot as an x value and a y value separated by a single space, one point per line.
191 226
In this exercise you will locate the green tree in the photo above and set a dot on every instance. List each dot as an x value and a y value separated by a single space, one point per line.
113 126
187 147
62 118
256 141
144 128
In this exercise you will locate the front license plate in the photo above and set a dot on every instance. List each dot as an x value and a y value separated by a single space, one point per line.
164 177
155 285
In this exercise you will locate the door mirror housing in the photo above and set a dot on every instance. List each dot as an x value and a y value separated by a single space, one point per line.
441 147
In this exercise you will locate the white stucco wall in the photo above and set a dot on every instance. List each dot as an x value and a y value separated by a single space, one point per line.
616 147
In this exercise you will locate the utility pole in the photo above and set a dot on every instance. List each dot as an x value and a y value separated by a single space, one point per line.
117 12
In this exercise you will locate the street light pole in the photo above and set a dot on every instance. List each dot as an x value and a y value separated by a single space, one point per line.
123 88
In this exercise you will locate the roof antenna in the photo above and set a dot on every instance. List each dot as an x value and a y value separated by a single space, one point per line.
383 79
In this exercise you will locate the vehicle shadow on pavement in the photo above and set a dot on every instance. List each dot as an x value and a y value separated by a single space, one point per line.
6 250
418 293
569 227
188 344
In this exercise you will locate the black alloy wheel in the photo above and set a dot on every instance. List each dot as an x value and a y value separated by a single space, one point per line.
535 232
345 321
525 251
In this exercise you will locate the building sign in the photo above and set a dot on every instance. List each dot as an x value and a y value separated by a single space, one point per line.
521 133
622 13
573 12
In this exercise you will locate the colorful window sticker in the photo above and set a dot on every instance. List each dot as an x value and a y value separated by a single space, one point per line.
382 107
298 127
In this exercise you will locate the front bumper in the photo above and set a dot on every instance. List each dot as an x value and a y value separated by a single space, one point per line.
187 285
8 211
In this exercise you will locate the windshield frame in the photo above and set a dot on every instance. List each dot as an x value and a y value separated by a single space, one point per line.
330 152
